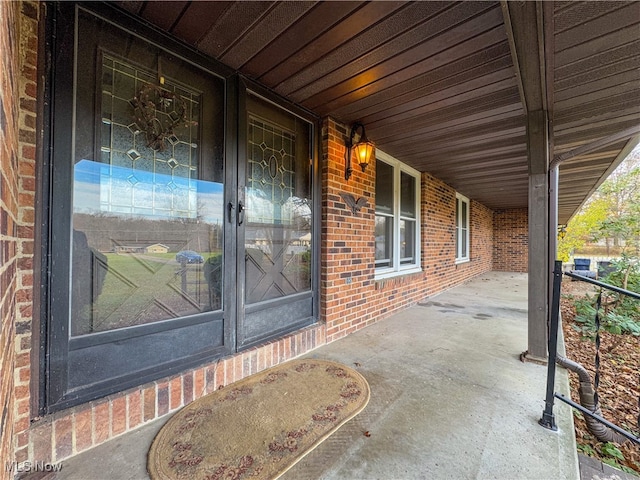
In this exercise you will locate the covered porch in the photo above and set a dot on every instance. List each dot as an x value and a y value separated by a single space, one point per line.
493 123
449 399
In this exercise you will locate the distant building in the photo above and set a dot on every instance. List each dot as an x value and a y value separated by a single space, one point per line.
128 249
157 248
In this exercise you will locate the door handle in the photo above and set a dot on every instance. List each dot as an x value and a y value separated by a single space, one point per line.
230 208
240 213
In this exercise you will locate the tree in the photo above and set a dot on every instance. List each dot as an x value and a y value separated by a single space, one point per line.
611 214
582 227
622 224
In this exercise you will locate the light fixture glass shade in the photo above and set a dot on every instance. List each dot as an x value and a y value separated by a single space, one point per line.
364 151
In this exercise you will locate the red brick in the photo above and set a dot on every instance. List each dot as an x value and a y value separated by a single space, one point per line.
219 381
22 439
83 429
175 393
134 409
22 454
149 403
23 407
199 384
237 368
118 415
63 432
187 387
101 423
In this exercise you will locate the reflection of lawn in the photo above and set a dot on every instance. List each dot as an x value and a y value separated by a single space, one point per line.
138 290
172 255
168 255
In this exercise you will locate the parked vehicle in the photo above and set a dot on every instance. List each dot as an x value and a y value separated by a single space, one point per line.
189 256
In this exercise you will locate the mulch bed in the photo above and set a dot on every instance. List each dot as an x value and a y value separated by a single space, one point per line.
619 388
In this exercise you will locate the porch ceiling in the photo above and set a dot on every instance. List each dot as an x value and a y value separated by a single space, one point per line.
434 82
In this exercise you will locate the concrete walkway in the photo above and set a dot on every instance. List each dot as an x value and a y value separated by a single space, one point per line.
450 399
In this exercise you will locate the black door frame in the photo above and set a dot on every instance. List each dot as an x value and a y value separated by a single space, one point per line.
53 308
54 300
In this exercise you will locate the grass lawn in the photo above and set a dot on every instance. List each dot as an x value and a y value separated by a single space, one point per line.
138 289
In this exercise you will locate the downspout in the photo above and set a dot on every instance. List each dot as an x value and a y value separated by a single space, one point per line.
600 431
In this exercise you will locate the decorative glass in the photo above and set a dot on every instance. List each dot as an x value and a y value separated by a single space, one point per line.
147 222
278 211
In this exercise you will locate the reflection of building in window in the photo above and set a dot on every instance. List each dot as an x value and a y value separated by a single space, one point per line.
144 180
128 249
156 248
292 241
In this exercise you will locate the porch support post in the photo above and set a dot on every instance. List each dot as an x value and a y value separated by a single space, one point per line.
530 32
539 207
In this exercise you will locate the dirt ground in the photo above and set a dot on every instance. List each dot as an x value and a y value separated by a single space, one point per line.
619 389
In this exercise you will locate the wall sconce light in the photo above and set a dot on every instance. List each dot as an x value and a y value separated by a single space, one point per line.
363 149
562 231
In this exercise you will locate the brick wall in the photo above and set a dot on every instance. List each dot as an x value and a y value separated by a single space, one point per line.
511 247
351 297
9 197
27 93
439 237
347 251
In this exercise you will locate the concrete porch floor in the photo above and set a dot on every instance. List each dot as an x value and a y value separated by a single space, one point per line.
450 399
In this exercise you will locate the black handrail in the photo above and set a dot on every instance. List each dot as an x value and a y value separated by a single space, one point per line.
548 418
603 285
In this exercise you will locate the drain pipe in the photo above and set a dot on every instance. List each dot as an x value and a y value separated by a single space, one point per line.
600 431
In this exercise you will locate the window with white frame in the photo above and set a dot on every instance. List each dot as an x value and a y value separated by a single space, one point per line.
462 228
397 230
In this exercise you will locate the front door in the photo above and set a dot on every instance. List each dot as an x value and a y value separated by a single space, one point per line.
175 235
275 221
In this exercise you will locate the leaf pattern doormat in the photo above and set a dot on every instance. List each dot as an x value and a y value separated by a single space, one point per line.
260 426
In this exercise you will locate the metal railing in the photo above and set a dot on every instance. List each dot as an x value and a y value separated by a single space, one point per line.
548 418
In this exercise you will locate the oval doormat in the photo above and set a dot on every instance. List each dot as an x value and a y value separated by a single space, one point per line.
260 426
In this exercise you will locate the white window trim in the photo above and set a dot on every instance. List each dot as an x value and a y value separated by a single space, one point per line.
398 269
467 257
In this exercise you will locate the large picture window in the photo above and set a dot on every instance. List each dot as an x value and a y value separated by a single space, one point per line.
462 228
397 228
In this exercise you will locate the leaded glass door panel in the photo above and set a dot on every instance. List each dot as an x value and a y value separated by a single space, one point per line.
139 190
275 222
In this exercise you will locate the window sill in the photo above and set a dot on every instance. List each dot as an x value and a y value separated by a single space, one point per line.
462 260
397 273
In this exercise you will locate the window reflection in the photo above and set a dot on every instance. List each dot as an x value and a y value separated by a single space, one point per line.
143 266
147 213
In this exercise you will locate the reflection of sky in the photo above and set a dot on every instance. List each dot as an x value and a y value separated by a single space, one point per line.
102 188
